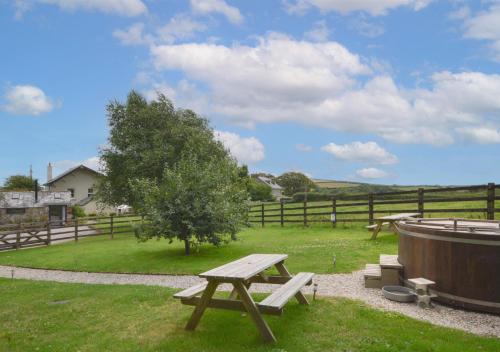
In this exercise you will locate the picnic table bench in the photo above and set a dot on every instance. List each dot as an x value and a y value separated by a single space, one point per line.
388 220
241 274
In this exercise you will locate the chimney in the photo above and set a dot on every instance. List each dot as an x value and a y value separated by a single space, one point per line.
49 172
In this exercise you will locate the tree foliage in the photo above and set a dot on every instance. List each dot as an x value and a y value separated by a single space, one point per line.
293 182
259 191
145 138
196 201
19 183
168 166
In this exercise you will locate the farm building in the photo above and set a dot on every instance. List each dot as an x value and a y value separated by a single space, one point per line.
34 206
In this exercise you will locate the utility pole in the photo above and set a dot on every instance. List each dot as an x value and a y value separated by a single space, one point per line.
31 172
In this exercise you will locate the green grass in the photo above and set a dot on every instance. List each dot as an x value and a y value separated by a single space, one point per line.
48 316
309 249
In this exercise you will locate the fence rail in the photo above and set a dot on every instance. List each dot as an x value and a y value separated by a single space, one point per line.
467 201
16 236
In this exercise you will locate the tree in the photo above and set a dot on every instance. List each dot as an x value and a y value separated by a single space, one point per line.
167 164
197 201
259 191
19 183
293 182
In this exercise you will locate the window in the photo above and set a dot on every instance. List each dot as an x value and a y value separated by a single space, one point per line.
16 211
72 191
90 192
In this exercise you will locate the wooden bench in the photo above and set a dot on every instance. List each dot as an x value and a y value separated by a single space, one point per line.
241 274
191 291
281 296
388 220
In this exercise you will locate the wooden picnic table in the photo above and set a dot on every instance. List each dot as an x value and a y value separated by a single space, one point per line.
389 220
241 274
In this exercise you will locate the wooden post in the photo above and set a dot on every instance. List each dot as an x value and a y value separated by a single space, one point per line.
76 230
18 239
281 213
490 203
262 215
305 213
370 208
421 201
111 230
49 234
334 211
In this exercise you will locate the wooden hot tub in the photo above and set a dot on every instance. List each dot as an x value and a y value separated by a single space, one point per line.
461 256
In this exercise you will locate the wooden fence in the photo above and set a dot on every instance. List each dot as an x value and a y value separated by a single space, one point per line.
467 202
16 236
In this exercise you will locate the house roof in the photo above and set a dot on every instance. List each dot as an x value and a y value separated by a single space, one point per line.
269 182
66 173
27 199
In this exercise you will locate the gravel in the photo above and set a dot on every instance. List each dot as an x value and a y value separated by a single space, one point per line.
335 285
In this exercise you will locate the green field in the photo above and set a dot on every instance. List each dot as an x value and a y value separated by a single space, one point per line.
309 249
48 316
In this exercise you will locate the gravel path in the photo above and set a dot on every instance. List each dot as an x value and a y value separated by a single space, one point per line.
338 285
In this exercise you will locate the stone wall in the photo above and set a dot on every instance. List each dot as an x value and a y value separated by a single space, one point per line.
38 214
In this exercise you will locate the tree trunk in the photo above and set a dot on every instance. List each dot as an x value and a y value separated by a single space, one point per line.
187 247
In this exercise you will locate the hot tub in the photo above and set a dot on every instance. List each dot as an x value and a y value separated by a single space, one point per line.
461 256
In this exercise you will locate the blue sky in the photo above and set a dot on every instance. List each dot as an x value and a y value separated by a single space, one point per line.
389 91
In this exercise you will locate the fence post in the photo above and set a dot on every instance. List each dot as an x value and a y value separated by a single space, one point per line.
370 208
305 213
18 239
76 229
262 214
281 213
421 201
111 229
334 211
490 203
49 234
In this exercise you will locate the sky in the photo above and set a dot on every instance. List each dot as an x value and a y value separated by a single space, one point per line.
386 91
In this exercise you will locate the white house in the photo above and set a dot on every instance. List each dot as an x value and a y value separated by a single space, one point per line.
81 182
276 190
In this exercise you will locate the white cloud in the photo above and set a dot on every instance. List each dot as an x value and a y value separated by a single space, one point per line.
372 173
303 148
179 27
281 79
126 8
369 152
64 165
319 33
485 25
185 95
481 135
133 35
367 28
232 13
247 150
373 7
26 100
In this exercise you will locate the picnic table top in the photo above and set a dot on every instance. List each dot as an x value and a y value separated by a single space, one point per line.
398 216
244 268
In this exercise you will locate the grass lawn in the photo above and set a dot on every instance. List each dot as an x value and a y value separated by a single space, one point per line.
309 249
48 316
